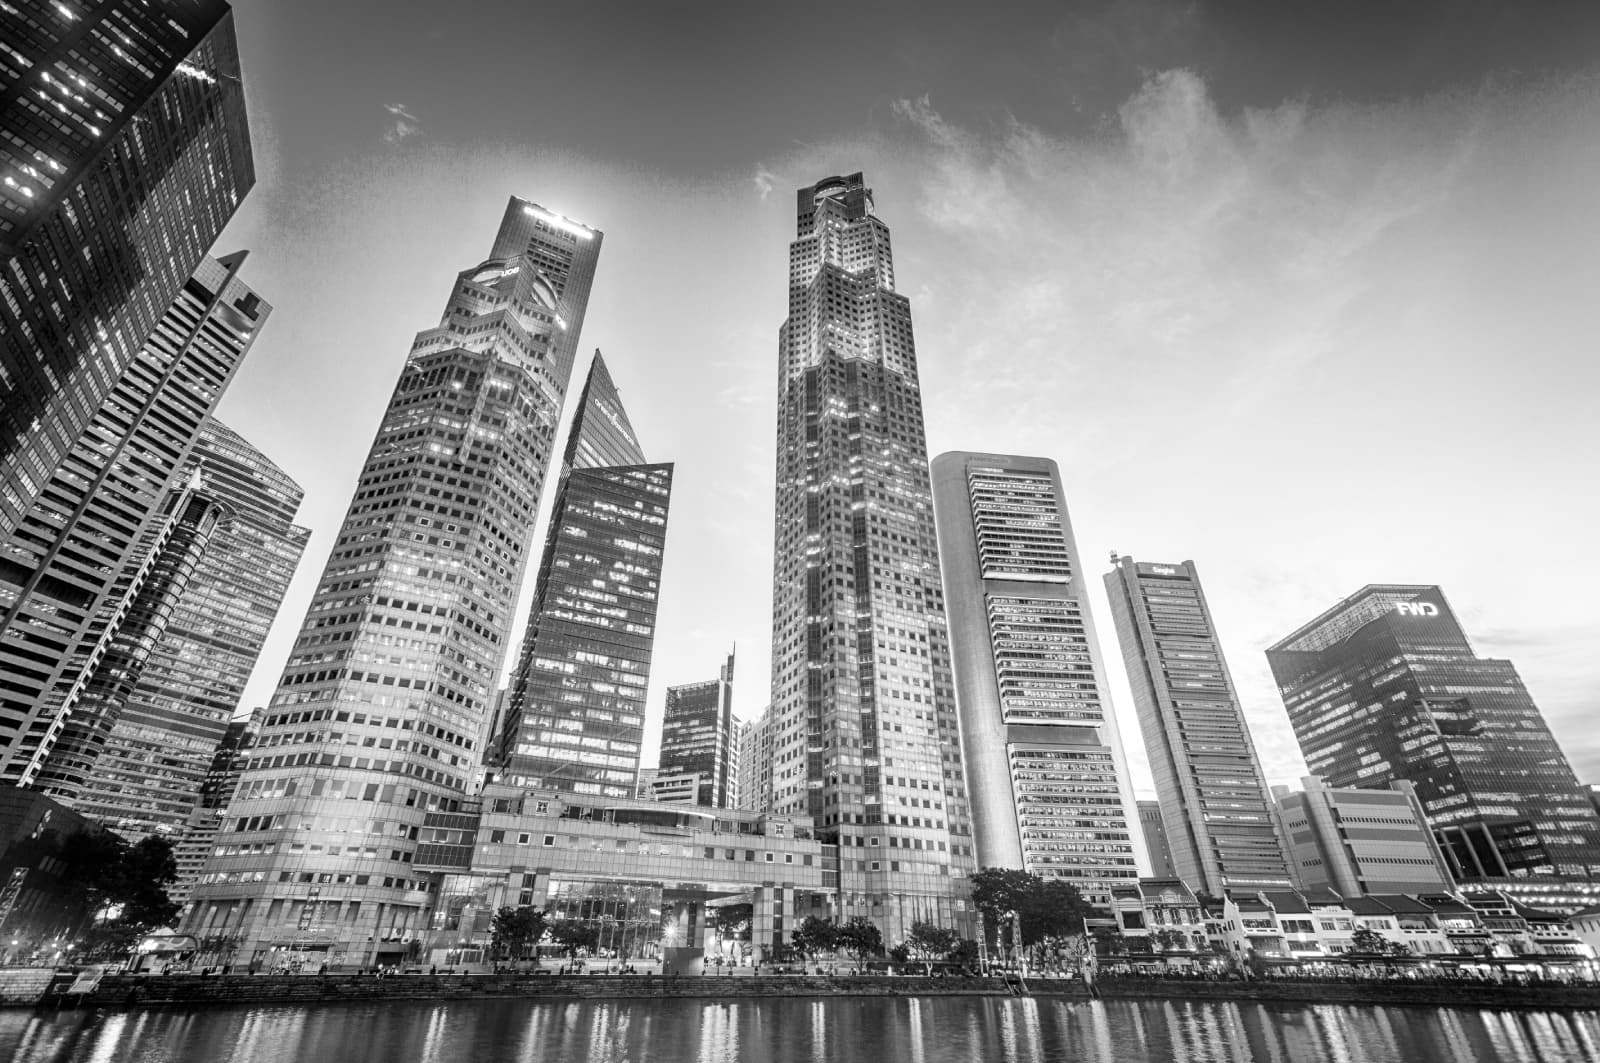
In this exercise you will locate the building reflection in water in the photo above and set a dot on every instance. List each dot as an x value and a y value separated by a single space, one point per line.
788 1030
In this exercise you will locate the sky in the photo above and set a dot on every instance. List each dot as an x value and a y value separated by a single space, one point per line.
1306 293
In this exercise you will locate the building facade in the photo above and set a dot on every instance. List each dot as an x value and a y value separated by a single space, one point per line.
863 712
123 153
1385 687
160 722
72 567
375 719
755 763
1046 773
698 737
575 717
1154 830
1360 841
1208 777
198 835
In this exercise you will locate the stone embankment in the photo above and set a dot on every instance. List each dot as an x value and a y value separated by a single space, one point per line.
34 987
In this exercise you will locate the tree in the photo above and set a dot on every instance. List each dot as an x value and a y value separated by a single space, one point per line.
861 938
815 936
965 953
120 889
514 929
1368 941
931 942
574 934
1168 940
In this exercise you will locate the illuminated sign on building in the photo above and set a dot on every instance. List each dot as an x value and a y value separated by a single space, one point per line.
1416 608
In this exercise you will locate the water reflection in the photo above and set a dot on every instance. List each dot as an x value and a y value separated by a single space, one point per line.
877 1030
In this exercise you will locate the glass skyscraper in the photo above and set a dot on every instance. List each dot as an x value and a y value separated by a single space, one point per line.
1045 767
123 153
699 737
154 727
1214 797
71 569
375 723
575 717
863 725
1385 686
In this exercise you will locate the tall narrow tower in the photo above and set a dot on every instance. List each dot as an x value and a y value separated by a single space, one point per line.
1045 766
699 736
369 740
864 734
1214 799
575 717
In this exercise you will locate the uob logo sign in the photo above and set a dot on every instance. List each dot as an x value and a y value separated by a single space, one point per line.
1416 609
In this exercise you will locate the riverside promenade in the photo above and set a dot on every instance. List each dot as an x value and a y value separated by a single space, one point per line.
187 991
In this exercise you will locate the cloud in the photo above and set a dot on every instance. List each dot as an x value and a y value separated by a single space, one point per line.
763 180
403 123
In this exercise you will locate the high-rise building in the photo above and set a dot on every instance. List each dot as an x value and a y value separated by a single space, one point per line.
75 759
73 566
1385 686
1154 829
198 836
367 745
1046 773
755 763
123 153
575 719
1359 841
1213 794
863 714
697 737
156 713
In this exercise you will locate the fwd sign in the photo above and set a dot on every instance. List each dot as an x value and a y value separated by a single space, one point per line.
1416 609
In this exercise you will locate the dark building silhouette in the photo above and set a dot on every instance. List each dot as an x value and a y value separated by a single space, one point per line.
575 720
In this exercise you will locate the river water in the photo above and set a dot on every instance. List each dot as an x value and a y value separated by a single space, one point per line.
870 1029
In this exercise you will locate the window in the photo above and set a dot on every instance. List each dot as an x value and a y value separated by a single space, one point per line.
497 836
524 839
549 841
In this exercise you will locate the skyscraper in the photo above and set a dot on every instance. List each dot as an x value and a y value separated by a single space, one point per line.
1385 686
864 721
72 567
123 153
1156 846
1213 795
755 763
1046 773
575 720
368 742
698 737
159 723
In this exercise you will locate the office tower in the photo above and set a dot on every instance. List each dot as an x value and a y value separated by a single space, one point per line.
1385 686
1046 773
371 730
195 840
697 738
575 721
156 720
123 153
1360 841
1154 829
74 759
72 567
1213 794
863 713
755 763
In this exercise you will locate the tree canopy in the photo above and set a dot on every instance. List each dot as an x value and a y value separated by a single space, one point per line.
514 929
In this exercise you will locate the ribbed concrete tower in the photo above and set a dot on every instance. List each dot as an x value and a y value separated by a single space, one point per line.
368 744
864 735
1045 765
